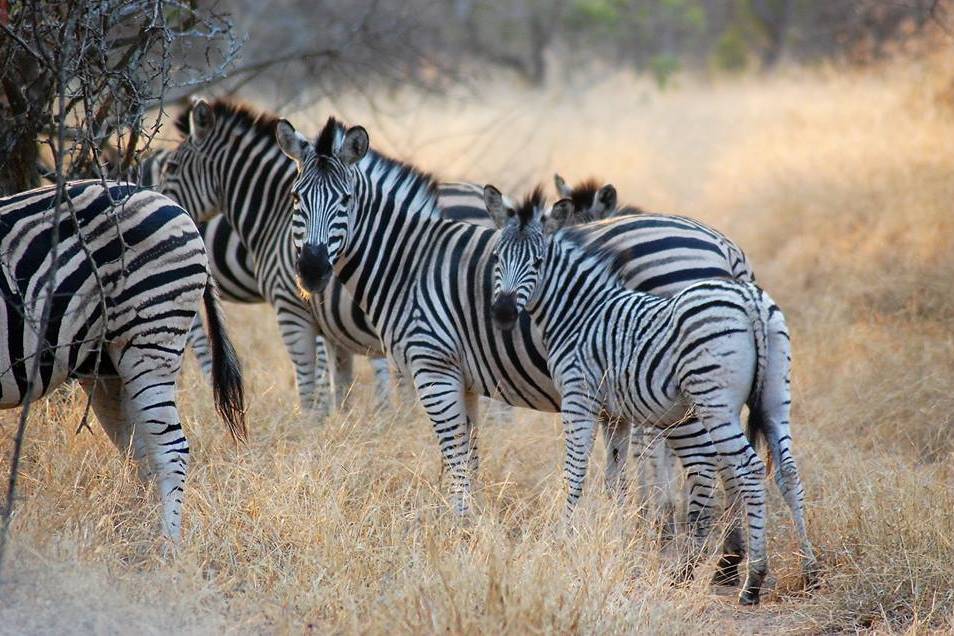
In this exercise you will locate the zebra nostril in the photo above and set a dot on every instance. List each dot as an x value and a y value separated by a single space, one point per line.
504 311
314 267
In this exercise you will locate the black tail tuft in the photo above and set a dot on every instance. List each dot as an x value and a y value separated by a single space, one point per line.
227 386
756 433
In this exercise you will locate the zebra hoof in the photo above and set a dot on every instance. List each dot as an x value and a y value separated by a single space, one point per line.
749 597
810 577
727 572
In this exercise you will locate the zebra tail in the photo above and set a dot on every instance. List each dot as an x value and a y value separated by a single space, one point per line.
756 430
227 386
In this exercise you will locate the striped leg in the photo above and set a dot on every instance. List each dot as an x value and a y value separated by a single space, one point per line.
200 346
745 480
580 418
149 388
690 442
322 378
453 413
298 334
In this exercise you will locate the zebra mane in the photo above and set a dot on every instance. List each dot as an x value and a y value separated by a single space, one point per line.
530 204
248 117
332 131
583 193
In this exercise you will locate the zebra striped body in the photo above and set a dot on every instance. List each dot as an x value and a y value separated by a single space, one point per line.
426 282
684 365
124 343
232 163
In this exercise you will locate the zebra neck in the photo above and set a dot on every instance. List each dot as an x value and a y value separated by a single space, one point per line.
395 229
574 284
257 179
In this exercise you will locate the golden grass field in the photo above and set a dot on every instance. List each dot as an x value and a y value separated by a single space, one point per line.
839 185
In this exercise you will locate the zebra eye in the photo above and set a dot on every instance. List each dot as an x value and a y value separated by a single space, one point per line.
538 261
346 200
295 198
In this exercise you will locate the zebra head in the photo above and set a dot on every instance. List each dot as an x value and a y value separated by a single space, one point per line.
591 202
188 175
519 254
323 195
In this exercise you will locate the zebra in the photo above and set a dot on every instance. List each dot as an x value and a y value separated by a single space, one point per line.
130 268
592 201
229 162
685 365
234 273
426 282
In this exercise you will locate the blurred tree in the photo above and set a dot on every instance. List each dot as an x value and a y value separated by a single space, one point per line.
79 77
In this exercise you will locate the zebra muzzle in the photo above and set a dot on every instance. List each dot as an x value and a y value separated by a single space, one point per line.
504 311
314 267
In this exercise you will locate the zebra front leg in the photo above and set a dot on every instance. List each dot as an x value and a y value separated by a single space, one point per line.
149 391
452 411
200 346
299 333
580 417
323 386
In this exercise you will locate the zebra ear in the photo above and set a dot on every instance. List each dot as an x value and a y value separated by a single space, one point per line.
292 142
354 146
605 199
561 187
498 210
201 119
559 215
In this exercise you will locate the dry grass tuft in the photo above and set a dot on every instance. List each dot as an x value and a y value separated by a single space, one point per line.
838 186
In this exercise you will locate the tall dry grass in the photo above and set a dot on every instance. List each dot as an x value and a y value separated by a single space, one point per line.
839 188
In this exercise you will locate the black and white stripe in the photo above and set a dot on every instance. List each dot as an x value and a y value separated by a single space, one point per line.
130 271
684 366
425 282
230 162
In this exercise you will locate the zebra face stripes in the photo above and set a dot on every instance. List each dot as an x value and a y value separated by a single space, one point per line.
323 196
517 257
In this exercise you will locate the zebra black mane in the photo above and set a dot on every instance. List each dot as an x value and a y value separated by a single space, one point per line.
325 143
532 202
249 117
583 193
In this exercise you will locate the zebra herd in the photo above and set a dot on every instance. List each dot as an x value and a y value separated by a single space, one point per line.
640 324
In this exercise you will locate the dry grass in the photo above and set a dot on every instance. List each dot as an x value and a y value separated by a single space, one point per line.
838 186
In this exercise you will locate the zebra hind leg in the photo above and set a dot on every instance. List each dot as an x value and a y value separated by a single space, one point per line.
382 382
690 442
343 376
149 401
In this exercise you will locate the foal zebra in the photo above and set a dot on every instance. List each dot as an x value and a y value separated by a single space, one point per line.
229 162
684 365
130 271
426 283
